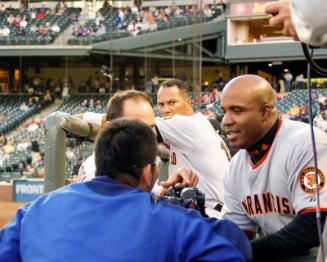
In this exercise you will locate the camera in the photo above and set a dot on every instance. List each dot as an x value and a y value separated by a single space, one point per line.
188 197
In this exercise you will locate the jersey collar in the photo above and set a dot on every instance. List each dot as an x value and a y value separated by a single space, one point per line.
259 151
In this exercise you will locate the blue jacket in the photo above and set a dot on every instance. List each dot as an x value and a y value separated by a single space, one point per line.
102 220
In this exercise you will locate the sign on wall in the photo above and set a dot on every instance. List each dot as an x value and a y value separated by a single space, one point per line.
27 190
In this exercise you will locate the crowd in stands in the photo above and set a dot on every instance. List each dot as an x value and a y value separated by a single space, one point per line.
92 105
22 154
43 24
35 23
135 21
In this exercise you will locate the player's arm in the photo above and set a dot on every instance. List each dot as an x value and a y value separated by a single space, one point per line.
178 131
301 233
295 238
93 118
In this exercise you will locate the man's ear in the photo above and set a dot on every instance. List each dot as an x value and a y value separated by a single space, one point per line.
189 101
189 104
145 178
266 111
104 121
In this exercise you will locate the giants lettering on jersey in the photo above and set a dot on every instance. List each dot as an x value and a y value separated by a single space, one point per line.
266 203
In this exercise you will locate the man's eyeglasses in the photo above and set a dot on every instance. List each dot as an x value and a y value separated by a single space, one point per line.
155 163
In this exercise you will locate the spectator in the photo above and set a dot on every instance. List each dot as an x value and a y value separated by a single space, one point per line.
178 11
219 81
3 118
102 89
10 19
35 147
33 14
322 102
23 23
207 11
47 96
9 147
16 20
65 92
288 80
55 28
99 19
101 30
320 120
134 10
21 168
91 104
29 171
131 28
294 112
33 29
155 84
23 144
98 105
169 10
33 126
5 31
118 21
23 107
38 166
162 17
40 14
299 82
85 103
187 11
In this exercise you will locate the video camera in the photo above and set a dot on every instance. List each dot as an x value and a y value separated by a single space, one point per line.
188 197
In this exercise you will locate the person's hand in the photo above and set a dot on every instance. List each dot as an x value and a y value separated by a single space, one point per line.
183 175
281 17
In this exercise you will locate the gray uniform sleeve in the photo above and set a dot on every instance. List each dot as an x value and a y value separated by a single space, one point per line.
302 179
179 131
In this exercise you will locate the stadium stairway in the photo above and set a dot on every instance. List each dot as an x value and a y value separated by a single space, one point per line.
63 38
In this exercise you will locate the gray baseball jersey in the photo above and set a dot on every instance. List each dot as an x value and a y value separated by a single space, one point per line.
270 193
194 144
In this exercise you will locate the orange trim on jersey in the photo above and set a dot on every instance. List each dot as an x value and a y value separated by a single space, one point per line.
254 166
311 210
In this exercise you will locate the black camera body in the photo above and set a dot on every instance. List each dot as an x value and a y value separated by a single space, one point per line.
188 197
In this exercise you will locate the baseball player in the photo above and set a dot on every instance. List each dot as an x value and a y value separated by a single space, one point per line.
269 183
133 105
192 140
193 143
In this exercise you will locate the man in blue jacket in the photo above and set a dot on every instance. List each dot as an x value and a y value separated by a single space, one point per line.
113 217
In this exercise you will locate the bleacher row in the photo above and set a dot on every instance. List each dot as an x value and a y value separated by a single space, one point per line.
77 150
9 107
132 23
36 26
37 30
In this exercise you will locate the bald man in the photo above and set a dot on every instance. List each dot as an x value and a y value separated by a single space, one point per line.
269 183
